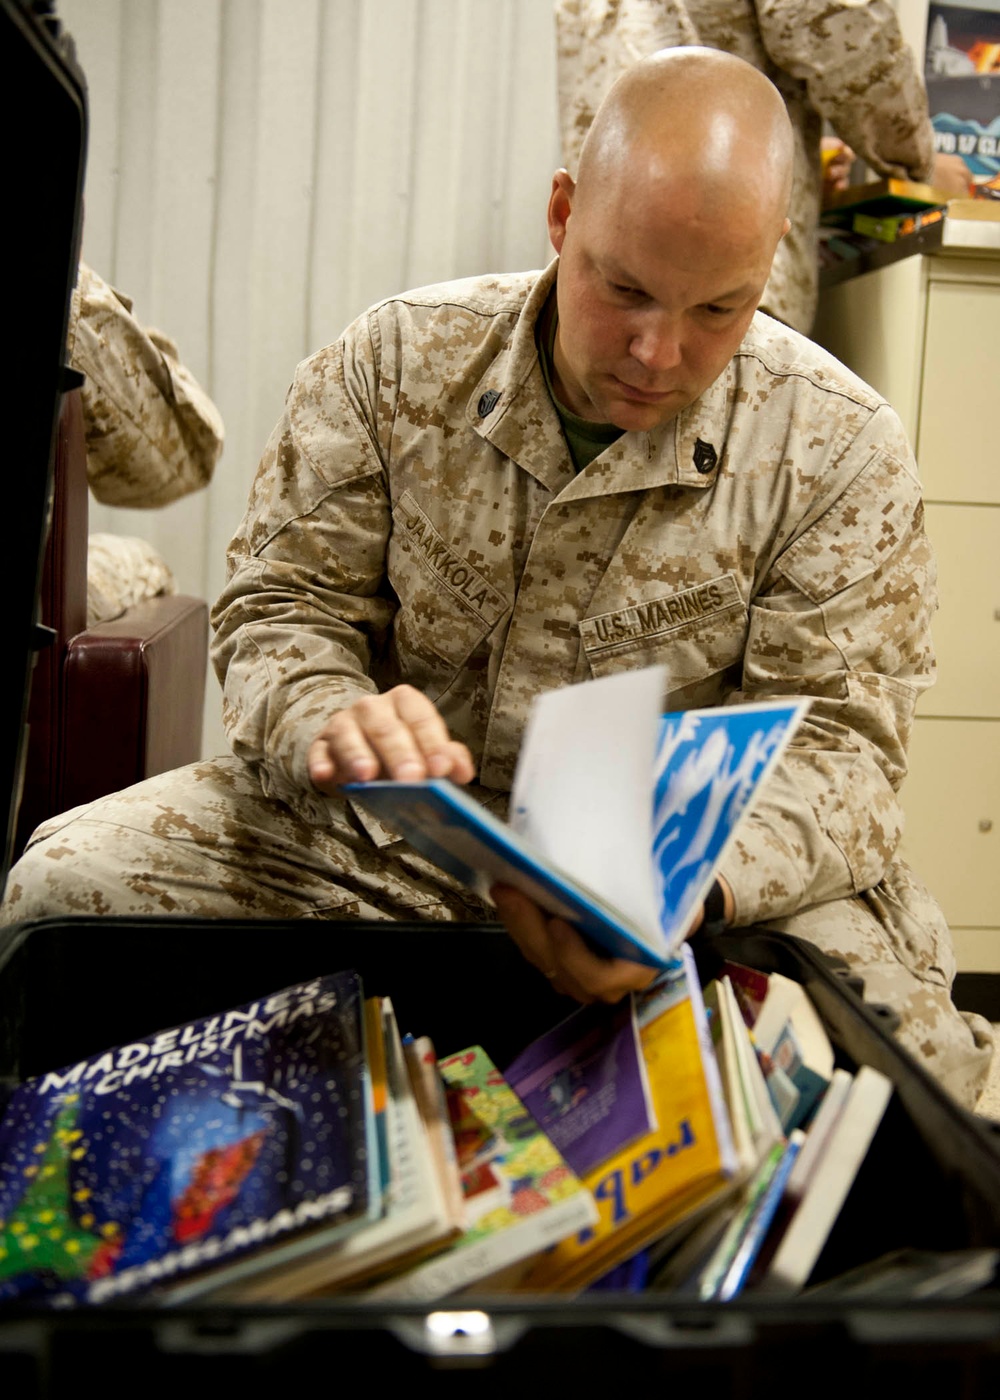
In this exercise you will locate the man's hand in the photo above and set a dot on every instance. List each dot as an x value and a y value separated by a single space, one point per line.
558 951
837 160
951 175
563 956
396 735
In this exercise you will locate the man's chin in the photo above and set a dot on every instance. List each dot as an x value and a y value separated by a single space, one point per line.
635 417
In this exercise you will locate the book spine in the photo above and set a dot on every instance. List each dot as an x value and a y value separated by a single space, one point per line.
725 1252
760 1221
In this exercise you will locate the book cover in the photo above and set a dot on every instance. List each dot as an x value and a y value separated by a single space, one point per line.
789 1031
520 1196
672 788
669 1173
203 1145
417 1216
962 77
585 1082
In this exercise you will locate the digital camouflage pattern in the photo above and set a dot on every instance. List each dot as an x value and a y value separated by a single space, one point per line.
121 571
834 59
416 518
153 434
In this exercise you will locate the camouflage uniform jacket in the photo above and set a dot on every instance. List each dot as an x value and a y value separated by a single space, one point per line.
833 59
416 517
153 434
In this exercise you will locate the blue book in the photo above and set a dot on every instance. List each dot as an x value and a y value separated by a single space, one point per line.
728 1273
620 815
193 1156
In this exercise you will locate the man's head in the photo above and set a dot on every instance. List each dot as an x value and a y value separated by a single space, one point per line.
665 238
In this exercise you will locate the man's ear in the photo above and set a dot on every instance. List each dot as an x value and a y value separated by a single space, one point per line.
560 207
784 228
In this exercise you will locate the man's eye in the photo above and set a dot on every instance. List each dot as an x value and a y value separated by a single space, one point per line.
624 290
714 310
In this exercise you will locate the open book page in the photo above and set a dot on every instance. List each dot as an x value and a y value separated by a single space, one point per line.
619 815
710 765
582 793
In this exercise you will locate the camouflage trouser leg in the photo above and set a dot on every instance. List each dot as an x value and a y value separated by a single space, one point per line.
204 841
896 938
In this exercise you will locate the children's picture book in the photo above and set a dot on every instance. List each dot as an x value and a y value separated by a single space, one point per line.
207 1146
520 1195
585 1082
686 1161
620 815
790 1041
417 1214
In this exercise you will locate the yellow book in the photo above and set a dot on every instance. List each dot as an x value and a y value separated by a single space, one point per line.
668 1174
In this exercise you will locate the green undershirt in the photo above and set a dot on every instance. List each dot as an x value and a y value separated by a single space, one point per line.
585 440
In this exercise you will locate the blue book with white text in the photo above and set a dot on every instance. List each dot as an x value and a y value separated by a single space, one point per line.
620 815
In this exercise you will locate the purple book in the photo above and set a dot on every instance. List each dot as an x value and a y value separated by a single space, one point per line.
585 1083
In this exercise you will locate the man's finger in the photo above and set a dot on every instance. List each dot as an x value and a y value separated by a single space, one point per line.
341 754
442 756
561 954
603 979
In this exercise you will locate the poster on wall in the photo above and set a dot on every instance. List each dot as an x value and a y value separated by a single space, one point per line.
962 73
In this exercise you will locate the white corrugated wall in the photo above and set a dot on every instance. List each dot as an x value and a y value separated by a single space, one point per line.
260 171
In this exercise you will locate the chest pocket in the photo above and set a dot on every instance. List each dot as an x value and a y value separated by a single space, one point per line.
696 632
446 606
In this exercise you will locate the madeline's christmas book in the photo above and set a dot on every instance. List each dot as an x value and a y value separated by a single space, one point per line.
217 1145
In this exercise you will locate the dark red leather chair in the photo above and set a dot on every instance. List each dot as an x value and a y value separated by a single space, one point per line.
115 703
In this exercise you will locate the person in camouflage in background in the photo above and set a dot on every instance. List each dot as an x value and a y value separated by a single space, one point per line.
152 436
496 486
832 60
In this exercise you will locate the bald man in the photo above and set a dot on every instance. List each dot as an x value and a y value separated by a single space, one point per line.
494 487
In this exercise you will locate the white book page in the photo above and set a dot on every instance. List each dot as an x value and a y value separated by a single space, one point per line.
583 789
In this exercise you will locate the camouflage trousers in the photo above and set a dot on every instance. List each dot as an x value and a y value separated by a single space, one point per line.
204 841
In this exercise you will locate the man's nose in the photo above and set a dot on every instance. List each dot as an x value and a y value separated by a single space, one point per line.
656 343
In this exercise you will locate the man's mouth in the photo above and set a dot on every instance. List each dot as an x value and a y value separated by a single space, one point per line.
632 391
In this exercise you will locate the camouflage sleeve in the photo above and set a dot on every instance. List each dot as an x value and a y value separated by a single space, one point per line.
153 434
305 604
859 73
844 618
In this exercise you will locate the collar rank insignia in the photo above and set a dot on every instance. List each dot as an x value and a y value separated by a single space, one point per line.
705 456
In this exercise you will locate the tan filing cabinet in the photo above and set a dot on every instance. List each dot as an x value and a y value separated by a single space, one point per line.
925 332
